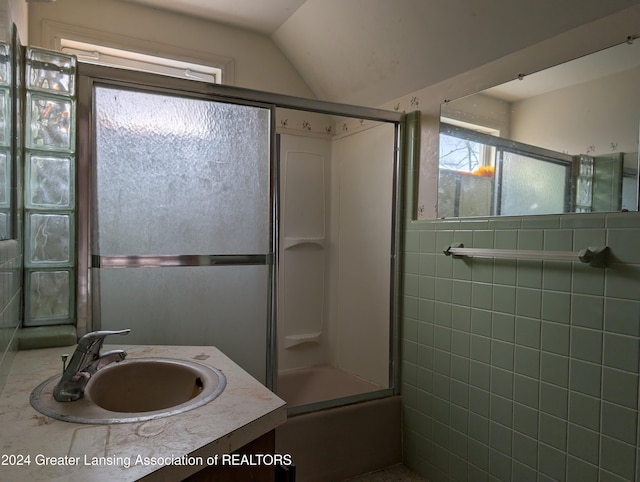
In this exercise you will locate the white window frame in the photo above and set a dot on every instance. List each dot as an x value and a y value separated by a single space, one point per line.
101 55
133 53
488 153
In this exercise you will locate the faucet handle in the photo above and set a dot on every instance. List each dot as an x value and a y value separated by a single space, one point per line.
92 342
86 360
105 333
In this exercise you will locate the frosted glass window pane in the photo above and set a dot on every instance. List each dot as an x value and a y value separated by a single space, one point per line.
180 175
49 297
219 306
476 195
532 186
50 238
50 182
629 193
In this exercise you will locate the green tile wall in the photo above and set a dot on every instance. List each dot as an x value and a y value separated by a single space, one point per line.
521 370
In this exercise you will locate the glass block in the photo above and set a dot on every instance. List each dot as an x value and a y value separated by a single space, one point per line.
49 239
5 117
586 166
50 72
5 63
50 123
5 224
584 191
49 297
5 179
50 181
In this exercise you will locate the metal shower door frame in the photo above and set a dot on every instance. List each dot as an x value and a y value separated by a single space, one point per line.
90 76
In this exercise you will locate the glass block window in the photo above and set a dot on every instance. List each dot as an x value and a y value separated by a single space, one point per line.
50 72
50 238
49 296
49 194
5 64
6 174
5 178
48 123
50 180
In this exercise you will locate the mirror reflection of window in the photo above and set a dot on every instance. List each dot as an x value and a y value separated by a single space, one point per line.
533 185
466 155
586 111
482 175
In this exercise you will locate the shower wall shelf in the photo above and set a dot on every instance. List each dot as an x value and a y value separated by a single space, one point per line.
594 257
294 340
291 242
303 263
303 267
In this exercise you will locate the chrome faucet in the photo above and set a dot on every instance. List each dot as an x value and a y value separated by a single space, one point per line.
86 361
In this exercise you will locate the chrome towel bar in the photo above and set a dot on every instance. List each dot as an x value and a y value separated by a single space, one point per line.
594 257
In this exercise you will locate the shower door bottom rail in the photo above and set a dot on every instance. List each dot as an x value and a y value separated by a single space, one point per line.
180 260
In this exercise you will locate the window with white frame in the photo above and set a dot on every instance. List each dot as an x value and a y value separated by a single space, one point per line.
101 55
460 153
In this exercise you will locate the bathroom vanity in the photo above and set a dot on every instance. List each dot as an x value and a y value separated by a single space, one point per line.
196 443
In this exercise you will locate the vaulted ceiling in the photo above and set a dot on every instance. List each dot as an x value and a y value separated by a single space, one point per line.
263 16
372 51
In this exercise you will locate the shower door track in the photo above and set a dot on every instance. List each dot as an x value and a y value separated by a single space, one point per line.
188 260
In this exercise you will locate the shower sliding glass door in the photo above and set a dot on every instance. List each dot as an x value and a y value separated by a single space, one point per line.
180 221
178 203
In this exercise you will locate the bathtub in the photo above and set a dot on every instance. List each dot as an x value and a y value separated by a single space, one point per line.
303 386
331 433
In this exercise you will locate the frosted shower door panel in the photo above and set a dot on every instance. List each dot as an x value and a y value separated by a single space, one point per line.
183 176
180 175
223 306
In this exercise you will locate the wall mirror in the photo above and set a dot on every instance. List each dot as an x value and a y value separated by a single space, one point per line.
560 140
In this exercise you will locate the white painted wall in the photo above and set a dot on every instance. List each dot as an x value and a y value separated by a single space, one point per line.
597 117
18 15
367 52
258 63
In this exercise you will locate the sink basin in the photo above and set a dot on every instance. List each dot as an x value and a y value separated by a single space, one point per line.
135 390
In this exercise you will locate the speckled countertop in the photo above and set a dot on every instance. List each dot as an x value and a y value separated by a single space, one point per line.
243 412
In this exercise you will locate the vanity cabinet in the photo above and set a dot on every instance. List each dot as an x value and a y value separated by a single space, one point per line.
265 444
